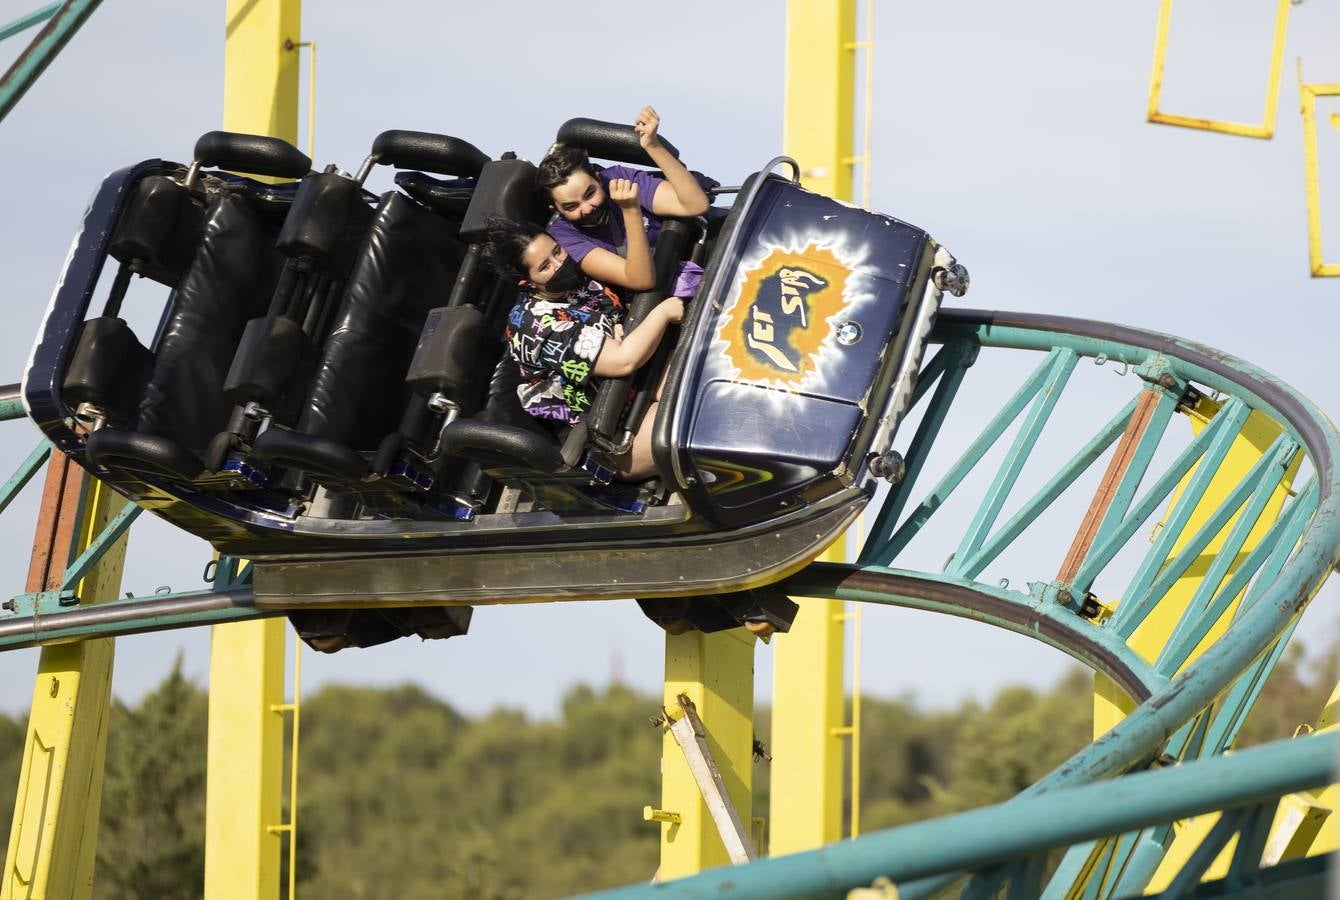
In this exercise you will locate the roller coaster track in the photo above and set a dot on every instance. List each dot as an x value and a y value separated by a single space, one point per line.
1186 629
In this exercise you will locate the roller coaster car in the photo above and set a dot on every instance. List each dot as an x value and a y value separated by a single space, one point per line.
328 393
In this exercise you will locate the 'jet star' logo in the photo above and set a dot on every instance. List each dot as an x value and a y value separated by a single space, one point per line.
775 330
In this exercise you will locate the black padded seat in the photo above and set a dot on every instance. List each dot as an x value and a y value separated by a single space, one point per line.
405 268
229 281
228 284
504 434
278 352
495 444
450 198
444 374
513 448
159 230
154 454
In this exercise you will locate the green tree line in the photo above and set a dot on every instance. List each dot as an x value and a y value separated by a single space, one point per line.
403 796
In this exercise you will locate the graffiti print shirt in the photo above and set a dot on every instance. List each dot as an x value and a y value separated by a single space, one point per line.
556 343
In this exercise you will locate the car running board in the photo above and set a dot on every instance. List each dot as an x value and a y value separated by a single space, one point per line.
665 567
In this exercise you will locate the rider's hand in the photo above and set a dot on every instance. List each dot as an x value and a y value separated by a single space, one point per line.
673 308
624 193
646 125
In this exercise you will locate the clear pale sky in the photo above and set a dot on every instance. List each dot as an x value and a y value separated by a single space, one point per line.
1014 132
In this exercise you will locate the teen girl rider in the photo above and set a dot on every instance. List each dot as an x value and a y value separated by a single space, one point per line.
594 233
565 331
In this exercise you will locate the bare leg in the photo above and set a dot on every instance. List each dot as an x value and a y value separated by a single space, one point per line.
637 464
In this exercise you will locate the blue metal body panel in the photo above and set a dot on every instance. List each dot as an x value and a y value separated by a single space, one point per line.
775 405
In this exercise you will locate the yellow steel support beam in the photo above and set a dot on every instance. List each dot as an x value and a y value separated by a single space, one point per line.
807 717
246 673
1327 839
1307 95
54 834
260 81
245 774
717 673
1305 824
1266 129
820 92
807 727
1330 715
290 828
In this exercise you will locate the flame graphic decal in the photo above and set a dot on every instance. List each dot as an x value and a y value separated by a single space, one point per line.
781 319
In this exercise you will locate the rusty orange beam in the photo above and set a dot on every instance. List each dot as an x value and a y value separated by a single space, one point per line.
1107 488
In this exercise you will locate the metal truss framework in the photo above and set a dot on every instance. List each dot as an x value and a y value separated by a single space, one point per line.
1188 707
1266 560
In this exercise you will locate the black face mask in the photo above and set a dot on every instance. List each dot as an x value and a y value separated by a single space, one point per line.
567 277
596 217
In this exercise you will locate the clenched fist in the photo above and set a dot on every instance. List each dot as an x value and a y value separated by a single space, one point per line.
673 308
624 193
646 125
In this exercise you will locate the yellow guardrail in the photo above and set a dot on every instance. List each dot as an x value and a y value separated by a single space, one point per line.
1307 98
1266 129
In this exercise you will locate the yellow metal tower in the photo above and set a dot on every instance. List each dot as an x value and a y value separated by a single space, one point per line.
246 671
53 838
807 706
716 671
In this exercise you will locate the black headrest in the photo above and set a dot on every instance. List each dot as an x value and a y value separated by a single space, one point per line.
608 140
449 198
251 153
437 153
506 188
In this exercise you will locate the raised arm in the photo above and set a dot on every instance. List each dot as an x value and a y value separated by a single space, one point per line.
634 270
680 194
621 356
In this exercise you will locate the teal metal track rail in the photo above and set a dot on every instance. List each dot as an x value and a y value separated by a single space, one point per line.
132 615
28 20
62 21
1049 623
11 402
1007 839
24 474
1185 712
57 616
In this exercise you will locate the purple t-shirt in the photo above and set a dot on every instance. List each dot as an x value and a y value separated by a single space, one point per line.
610 235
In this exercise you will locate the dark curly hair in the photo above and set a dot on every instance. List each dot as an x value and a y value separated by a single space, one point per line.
558 166
504 243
